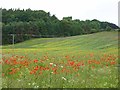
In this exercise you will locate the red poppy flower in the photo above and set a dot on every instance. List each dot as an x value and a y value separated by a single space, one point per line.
71 63
112 63
36 68
32 72
35 61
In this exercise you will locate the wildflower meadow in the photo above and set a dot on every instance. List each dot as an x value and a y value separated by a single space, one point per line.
62 63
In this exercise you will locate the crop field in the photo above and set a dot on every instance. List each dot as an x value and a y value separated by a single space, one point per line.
83 61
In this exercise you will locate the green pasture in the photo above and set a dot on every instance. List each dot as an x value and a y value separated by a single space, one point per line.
78 48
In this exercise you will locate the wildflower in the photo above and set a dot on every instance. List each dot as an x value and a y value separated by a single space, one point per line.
29 83
105 83
97 62
13 70
33 72
112 63
47 68
54 69
3 74
40 72
91 54
22 57
66 56
71 63
78 64
19 80
82 64
64 78
89 61
61 66
36 68
35 61
33 83
7 62
52 72
64 70
55 65
51 64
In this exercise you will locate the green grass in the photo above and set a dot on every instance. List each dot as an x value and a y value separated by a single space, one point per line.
92 41
100 47
103 41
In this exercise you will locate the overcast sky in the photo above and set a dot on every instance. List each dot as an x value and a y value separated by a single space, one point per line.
103 10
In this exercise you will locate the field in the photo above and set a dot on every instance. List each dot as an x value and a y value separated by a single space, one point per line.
83 61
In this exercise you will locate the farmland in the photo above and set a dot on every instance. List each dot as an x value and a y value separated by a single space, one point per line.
83 61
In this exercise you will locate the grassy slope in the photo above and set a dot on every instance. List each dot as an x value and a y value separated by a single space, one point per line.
97 41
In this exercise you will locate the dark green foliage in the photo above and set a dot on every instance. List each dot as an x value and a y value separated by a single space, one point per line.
27 23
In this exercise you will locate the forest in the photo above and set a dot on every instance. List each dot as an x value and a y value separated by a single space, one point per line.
28 24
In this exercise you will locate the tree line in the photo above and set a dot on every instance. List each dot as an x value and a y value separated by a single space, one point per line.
27 23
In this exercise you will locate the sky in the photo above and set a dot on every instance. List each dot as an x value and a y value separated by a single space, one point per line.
103 10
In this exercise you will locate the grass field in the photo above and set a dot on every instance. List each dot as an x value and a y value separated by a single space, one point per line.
85 61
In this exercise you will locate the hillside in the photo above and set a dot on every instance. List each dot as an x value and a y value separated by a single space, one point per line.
101 40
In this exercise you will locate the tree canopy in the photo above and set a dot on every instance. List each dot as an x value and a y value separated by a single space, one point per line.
26 23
